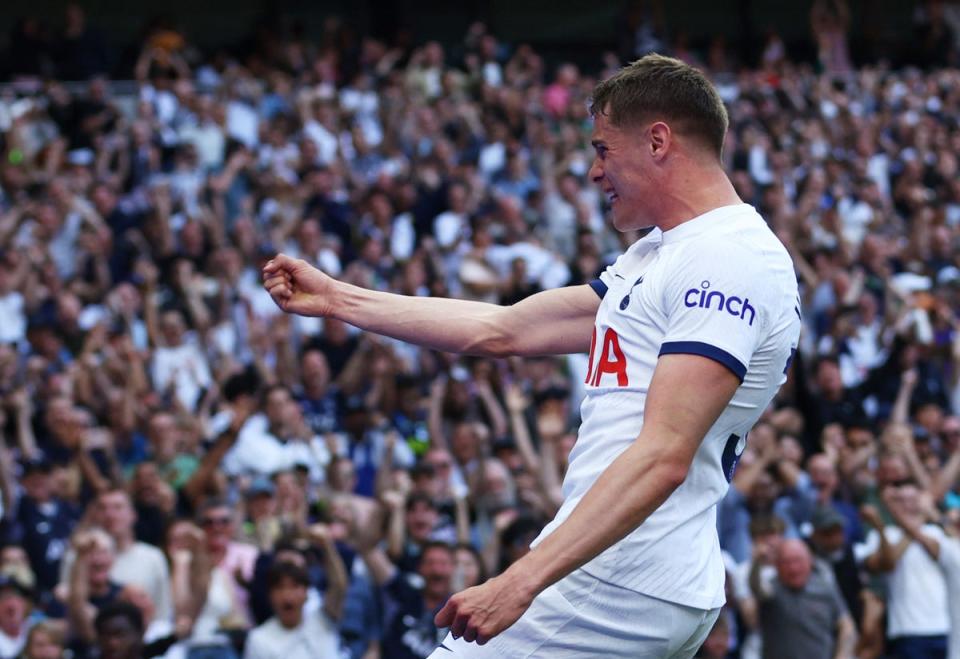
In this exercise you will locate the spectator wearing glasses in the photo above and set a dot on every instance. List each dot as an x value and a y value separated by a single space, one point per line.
230 559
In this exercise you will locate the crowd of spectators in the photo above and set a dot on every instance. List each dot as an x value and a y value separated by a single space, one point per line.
187 472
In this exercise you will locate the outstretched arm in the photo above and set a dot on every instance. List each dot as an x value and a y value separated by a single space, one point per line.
686 396
558 321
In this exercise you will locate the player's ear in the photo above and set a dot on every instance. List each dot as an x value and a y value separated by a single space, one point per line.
660 138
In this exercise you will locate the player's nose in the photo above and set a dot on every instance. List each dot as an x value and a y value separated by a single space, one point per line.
595 173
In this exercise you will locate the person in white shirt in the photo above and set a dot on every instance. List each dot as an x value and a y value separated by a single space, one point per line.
269 443
178 363
136 563
912 535
295 631
690 334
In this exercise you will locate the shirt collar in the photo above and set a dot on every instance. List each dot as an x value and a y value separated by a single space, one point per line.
708 221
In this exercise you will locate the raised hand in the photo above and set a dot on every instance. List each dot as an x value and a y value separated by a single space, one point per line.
871 516
297 287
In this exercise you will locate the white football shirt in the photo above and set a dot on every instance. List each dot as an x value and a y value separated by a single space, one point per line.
722 286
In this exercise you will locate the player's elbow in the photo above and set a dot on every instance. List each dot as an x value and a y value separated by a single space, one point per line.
492 337
671 472
674 475
497 345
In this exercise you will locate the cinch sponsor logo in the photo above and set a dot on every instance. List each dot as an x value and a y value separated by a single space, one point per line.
704 298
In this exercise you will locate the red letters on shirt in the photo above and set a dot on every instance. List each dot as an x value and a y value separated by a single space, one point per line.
611 359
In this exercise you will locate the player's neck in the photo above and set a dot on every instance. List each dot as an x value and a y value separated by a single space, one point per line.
697 191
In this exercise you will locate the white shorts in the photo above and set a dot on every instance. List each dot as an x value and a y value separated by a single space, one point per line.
581 616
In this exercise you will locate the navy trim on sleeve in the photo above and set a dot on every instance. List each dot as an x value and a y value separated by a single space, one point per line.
705 350
599 287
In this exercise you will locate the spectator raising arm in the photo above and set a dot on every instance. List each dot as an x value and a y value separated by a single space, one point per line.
884 559
912 530
199 484
336 591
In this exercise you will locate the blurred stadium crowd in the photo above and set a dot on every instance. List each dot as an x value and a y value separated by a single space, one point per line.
187 472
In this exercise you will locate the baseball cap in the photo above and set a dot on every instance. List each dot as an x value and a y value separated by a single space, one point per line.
948 275
9 582
260 485
827 517
354 404
422 469
36 465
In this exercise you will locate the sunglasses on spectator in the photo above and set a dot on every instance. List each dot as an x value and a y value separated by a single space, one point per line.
902 482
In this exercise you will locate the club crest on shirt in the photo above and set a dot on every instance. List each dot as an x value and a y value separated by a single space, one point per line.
625 302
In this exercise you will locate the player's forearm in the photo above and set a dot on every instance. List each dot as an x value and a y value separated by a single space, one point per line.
624 495
448 325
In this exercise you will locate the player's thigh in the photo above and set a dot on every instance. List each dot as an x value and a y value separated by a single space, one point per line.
706 621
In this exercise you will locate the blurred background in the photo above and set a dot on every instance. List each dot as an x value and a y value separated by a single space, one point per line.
187 472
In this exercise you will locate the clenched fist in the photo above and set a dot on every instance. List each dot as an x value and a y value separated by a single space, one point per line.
297 287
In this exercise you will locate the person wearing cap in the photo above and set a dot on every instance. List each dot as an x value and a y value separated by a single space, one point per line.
829 543
46 522
15 604
262 526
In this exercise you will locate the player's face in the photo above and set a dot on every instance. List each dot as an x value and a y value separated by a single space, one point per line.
623 169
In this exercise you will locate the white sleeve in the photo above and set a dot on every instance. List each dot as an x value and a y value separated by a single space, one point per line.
164 603
255 648
949 558
715 302
869 546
